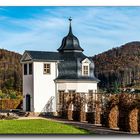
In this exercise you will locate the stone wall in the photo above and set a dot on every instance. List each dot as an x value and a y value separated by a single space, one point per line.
72 106
123 113
116 111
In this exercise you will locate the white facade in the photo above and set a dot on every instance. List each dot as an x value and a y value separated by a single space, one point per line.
41 87
79 86
44 87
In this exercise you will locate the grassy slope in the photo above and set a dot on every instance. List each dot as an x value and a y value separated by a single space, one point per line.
37 127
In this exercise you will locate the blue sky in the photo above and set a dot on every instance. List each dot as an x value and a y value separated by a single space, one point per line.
43 28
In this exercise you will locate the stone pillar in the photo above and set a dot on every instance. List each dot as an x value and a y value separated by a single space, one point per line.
113 118
133 121
60 103
83 113
70 112
82 116
97 114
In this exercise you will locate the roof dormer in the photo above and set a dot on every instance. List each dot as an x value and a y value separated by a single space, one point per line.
86 67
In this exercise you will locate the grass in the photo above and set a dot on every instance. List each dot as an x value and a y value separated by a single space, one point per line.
37 126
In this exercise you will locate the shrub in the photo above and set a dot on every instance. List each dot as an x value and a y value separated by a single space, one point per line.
1 94
7 104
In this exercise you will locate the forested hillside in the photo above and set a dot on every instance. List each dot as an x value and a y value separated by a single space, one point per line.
119 66
10 71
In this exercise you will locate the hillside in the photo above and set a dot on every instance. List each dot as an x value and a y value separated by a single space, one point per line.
119 66
10 70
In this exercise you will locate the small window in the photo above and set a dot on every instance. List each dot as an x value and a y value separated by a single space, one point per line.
47 68
25 69
30 68
85 71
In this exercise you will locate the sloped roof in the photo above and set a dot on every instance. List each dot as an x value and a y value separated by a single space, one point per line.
44 56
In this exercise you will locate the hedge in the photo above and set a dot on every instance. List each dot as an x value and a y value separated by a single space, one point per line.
7 104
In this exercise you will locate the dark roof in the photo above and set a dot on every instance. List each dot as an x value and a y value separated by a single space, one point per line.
70 68
42 55
70 42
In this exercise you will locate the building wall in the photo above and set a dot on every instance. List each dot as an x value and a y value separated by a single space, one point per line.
77 86
41 87
44 86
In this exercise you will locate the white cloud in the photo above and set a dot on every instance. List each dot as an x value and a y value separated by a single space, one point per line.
98 28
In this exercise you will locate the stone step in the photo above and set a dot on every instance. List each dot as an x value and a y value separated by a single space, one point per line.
31 114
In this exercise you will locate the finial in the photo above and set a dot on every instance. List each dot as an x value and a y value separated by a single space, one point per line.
70 19
70 28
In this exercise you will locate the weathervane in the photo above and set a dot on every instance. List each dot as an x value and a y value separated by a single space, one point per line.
70 19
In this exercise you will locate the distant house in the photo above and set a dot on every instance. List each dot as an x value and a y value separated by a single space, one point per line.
46 74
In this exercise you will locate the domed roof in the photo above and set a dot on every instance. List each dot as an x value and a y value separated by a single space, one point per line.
70 42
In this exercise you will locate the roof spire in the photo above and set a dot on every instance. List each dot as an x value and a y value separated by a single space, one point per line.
70 43
70 28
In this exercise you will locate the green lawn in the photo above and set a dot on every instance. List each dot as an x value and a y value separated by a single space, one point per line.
37 126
